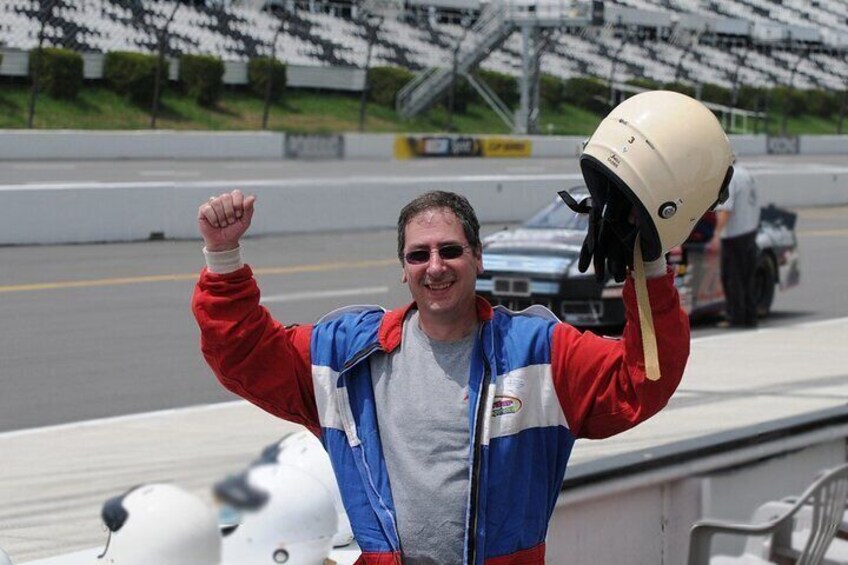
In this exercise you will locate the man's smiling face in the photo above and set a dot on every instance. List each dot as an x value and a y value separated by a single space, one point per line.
442 288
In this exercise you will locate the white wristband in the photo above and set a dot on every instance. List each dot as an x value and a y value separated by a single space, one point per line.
655 269
222 262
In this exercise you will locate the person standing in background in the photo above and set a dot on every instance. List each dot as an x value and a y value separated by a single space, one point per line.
737 220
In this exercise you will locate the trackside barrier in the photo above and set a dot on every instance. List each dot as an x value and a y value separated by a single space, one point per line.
106 212
166 144
109 212
158 144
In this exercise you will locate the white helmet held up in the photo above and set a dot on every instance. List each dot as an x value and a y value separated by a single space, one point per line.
286 517
668 155
304 451
162 524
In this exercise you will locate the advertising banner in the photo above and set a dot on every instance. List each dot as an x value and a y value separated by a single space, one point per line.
507 147
782 144
410 147
307 146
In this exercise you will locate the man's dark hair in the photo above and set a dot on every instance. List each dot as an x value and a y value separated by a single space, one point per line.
437 199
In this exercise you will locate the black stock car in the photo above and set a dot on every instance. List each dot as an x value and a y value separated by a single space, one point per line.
537 264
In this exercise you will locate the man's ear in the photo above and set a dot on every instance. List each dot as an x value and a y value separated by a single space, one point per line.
403 278
479 256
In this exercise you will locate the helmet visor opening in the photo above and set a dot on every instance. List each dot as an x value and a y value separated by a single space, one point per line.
601 181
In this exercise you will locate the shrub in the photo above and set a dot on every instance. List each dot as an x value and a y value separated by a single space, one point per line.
59 72
645 83
681 88
752 98
257 76
202 78
463 93
504 85
551 91
385 82
715 93
587 93
821 103
133 75
787 100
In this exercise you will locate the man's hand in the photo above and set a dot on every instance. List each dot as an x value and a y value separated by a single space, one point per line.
224 219
714 245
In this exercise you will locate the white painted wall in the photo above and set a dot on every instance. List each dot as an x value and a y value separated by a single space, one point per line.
824 144
47 214
166 144
132 211
748 144
78 213
369 146
158 144
567 146
795 189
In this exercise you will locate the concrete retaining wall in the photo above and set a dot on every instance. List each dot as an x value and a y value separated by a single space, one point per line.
823 144
80 213
138 211
160 144
166 144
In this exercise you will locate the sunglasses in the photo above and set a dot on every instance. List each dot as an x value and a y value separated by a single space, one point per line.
446 252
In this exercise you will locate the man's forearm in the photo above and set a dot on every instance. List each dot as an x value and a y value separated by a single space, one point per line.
722 217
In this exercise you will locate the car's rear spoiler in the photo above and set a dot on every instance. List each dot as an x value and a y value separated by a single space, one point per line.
778 216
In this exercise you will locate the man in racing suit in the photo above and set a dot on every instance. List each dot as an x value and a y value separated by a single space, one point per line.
449 423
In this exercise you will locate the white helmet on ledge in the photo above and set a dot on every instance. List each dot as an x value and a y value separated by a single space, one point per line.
304 451
286 517
161 524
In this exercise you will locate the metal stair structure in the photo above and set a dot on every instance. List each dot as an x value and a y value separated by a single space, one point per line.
487 34
497 21
485 91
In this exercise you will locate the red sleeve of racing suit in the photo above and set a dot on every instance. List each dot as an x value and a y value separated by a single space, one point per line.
252 354
601 382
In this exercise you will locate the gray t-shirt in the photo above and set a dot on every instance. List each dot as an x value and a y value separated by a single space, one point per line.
421 393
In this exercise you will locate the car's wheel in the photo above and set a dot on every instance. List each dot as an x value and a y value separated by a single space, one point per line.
765 277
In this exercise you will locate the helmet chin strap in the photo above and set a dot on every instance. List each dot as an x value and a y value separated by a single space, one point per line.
646 319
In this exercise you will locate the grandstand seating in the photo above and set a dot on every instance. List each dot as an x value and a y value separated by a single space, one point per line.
321 37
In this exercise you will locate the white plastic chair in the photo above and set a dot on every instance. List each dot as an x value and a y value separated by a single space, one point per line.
812 520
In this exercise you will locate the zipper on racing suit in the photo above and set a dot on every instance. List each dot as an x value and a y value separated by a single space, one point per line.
362 356
482 403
